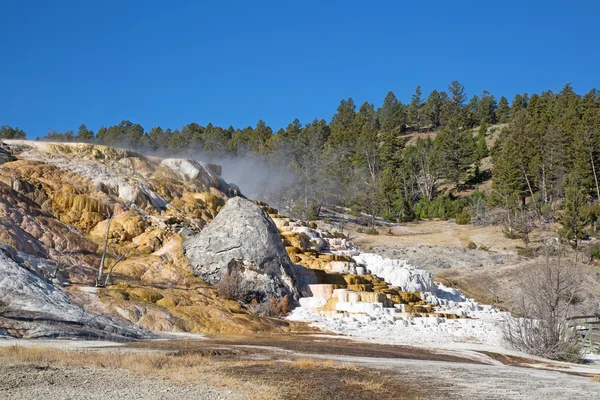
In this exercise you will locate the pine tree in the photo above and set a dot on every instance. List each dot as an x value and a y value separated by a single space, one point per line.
341 123
194 136
508 179
457 93
84 134
259 137
157 137
472 118
574 219
519 102
8 132
391 114
486 109
482 148
458 152
453 110
433 109
503 111
416 111
390 151
216 140
293 129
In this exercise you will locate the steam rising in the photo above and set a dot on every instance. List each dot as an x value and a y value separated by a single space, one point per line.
257 178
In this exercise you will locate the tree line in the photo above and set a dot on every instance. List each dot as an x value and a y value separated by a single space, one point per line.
545 156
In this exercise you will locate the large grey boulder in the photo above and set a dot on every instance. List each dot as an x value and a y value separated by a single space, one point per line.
243 246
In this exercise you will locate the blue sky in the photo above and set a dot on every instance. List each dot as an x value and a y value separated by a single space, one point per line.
64 63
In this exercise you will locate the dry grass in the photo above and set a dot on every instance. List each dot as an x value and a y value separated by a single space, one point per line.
255 379
138 362
439 233
447 234
595 378
311 363
182 368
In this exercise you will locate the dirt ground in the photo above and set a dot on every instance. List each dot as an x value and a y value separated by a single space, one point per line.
273 367
32 381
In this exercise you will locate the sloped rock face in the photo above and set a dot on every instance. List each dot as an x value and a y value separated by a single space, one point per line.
55 199
243 241
32 307
5 155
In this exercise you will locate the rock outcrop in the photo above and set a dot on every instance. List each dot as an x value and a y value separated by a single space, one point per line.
243 245
55 199
5 155
32 307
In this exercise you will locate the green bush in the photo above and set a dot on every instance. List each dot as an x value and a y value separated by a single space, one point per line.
595 251
484 248
463 217
372 231
443 207
471 246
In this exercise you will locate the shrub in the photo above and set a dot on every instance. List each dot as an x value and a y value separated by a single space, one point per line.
372 231
471 246
546 210
484 248
443 207
463 217
478 201
528 252
595 251
543 300
356 210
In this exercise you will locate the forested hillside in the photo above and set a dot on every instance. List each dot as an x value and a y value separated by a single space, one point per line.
546 150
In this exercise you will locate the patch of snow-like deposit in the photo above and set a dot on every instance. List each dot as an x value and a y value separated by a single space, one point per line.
480 324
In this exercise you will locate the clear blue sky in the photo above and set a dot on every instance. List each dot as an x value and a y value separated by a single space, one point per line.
64 63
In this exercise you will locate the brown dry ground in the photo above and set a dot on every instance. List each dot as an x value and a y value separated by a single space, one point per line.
272 366
297 343
195 369
441 233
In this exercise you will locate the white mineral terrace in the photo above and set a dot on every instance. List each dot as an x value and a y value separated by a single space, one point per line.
377 320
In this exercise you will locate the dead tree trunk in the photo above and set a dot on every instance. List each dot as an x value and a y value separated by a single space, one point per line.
595 176
110 270
103 258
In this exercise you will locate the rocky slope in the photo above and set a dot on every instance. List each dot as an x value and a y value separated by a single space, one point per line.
56 201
